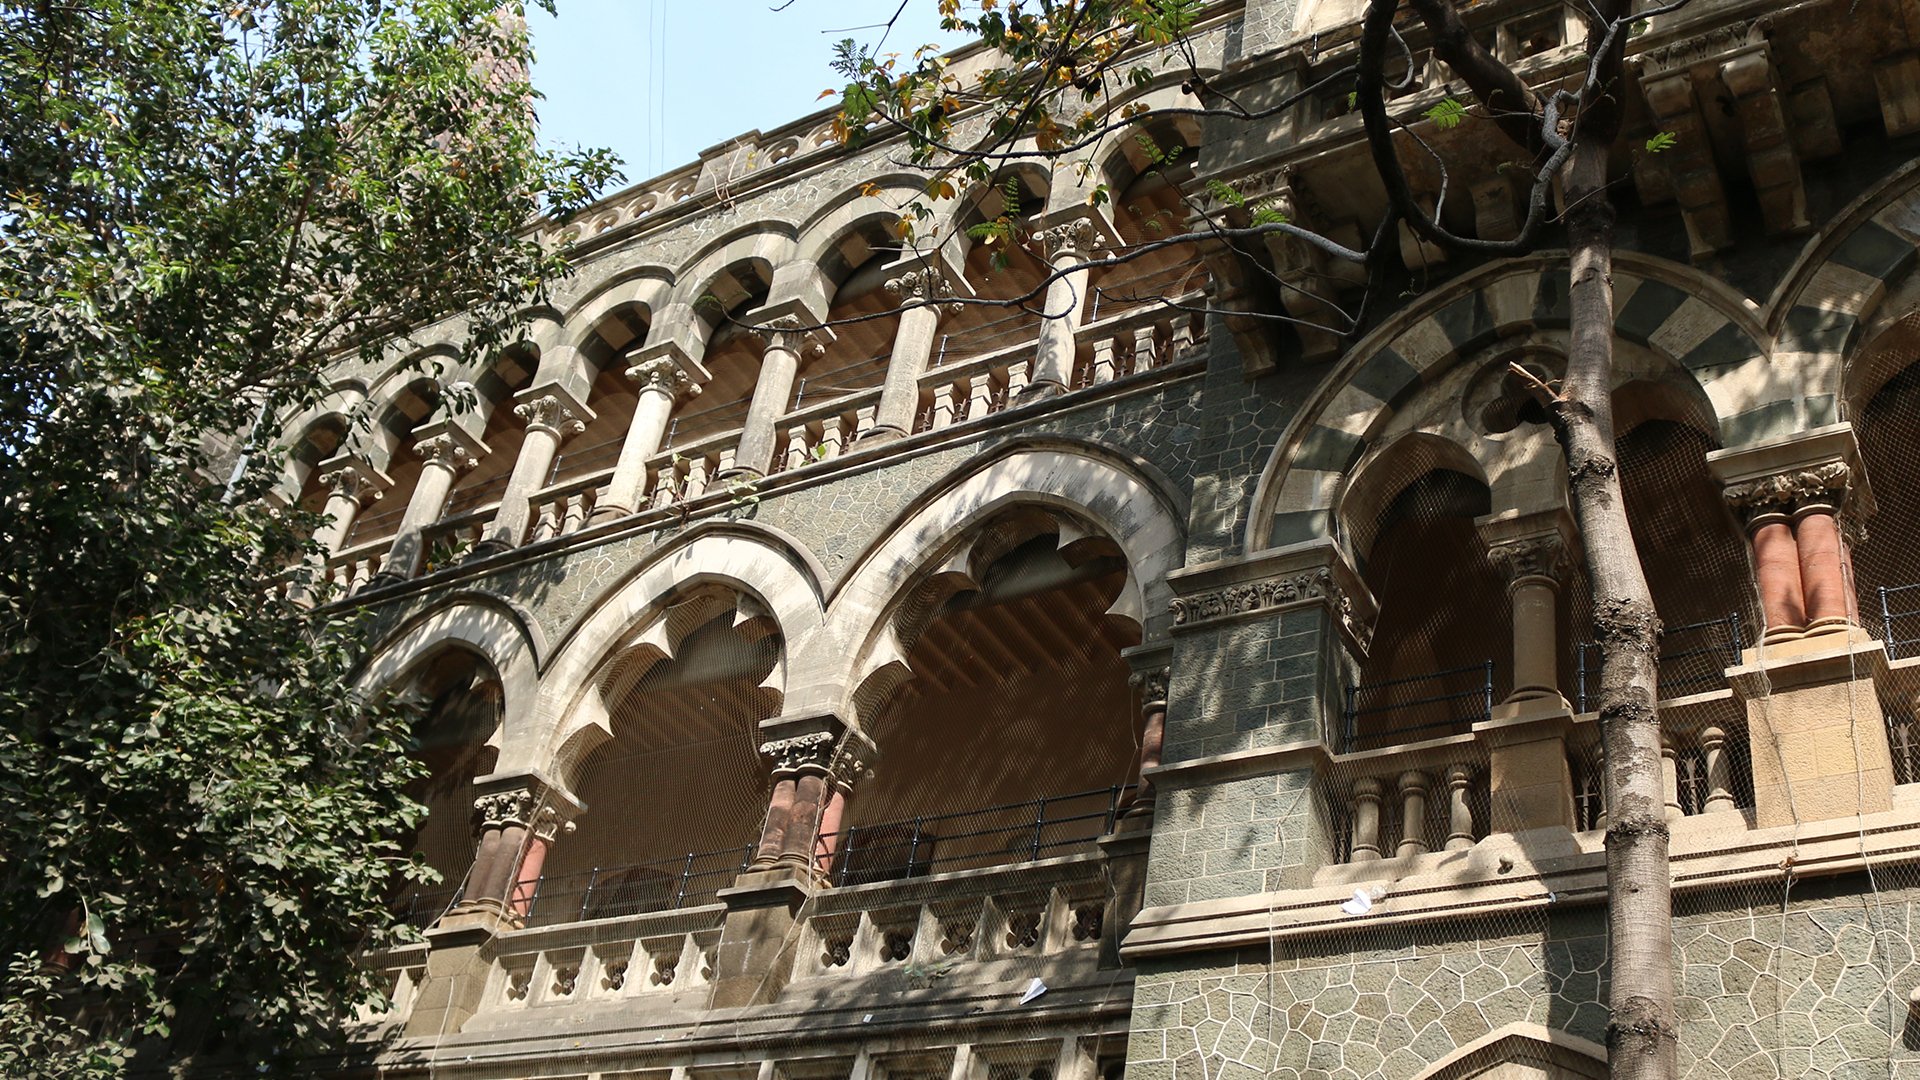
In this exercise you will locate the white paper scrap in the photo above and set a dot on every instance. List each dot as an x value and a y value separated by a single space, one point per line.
1034 990
1359 905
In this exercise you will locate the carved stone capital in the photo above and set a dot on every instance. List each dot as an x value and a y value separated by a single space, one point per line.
794 334
1788 493
1544 555
853 760
549 413
1152 684
813 752
925 286
353 479
525 801
1077 238
498 809
665 375
447 450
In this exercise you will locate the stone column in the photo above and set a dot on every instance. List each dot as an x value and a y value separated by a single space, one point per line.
1795 495
1535 552
517 823
789 344
663 377
449 452
1067 245
1152 682
923 292
352 485
552 415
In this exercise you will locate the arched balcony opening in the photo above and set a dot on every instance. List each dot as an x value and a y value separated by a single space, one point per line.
998 269
1436 664
1151 181
1017 735
732 356
674 799
860 265
1886 563
461 708
316 444
478 490
612 396
393 432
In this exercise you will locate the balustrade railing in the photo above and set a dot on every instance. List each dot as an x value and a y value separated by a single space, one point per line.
1903 742
1425 702
687 473
636 889
1894 615
351 568
968 840
1694 657
563 509
824 430
1705 770
1138 341
971 391
447 541
1403 805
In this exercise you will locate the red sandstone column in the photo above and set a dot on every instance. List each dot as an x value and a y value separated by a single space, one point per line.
1823 570
827 844
1776 562
527 881
1153 734
809 798
773 835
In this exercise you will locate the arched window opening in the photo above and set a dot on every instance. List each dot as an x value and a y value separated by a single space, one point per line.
857 358
394 431
1436 662
481 487
462 708
674 800
732 357
612 397
1017 735
320 442
1151 180
1694 559
998 269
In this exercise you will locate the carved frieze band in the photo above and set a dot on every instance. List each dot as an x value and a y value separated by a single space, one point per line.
1790 492
1274 594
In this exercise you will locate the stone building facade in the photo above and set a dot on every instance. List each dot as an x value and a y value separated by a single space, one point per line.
1162 690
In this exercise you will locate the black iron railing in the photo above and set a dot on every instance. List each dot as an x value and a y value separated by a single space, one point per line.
1463 706
1889 616
606 892
585 459
995 836
1684 669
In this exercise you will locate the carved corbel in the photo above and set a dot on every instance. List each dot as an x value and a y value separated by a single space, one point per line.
1772 158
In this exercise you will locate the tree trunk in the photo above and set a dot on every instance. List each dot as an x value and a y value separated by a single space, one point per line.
1641 1032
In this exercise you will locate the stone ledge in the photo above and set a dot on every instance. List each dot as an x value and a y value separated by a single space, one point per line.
1708 851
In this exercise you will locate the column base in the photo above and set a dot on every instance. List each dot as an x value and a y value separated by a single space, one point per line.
1529 702
1530 783
879 435
486 549
1817 740
609 512
1039 391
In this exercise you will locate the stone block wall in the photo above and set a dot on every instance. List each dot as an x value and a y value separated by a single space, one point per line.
1250 685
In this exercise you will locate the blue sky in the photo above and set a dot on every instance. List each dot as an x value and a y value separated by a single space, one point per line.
659 81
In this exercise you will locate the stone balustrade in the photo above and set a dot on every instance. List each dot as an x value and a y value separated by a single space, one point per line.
563 509
1138 341
1408 803
349 570
824 431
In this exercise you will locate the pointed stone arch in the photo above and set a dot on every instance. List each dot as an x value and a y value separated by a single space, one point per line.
1691 322
1522 1052
501 632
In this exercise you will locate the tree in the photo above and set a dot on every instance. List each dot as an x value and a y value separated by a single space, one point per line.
1041 99
207 207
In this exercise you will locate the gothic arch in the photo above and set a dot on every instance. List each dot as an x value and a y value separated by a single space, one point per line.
1084 487
645 287
496 628
1683 320
771 572
1522 1052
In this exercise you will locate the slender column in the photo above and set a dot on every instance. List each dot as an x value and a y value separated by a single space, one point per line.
352 485
827 845
1367 794
552 416
1153 733
1823 577
773 833
1459 811
1713 745
1413 814
517 826
448 453
1776 559
922 292
1067 244
547 824
788 346
814 774
1534 565
1670 776
662 380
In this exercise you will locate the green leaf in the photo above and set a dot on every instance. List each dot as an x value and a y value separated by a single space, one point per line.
1663 140
1448 114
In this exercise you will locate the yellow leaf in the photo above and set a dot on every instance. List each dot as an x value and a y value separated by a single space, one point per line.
825 94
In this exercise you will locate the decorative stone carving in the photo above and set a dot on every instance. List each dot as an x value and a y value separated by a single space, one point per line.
798 336
1077 238
813 752
1690 51
1153 683
923 287
354 483
1274 594
1541 556
447 451
549 413
852 761
498 809
1789 492
664 374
